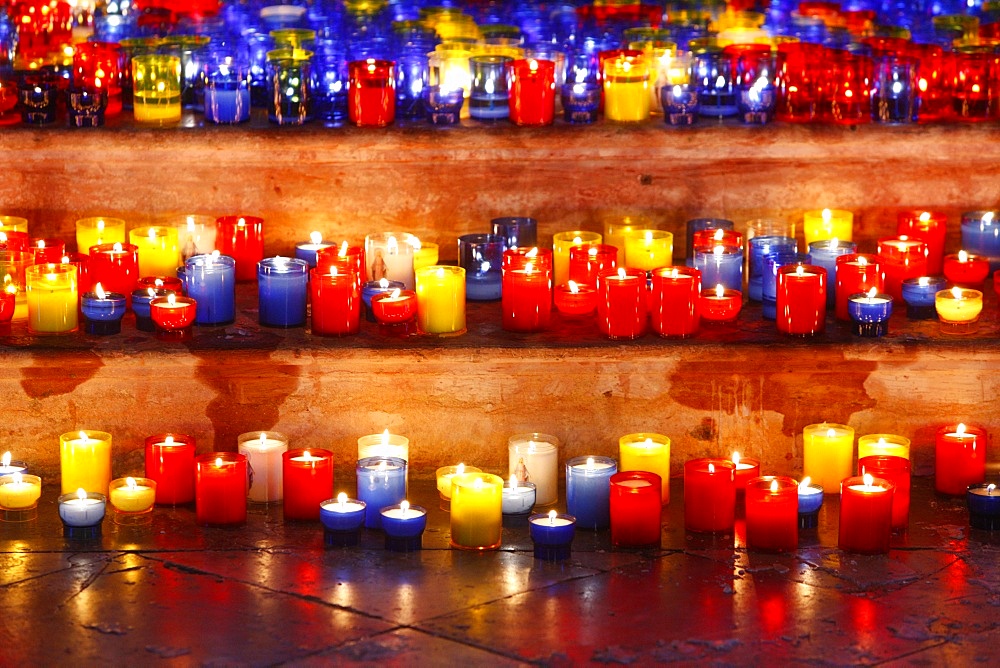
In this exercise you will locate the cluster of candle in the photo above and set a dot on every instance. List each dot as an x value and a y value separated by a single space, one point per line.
798 62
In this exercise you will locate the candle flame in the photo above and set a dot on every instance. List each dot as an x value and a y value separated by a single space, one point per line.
216 253
333 271
533 65
529 267
117 248
151 292
158 282
65 259
872 293
306 455
342 499
392 246
577 241
827 215
532 253
169 440
831 433
383 283
987 218
99 291
383 466
648 443
774 486
218 462
799 270
316 237
833 243
719 250
41 243
869 479
862 261
805 483
960 429
963 256
5 460
478 483
152 234
241 222
924 281
736 458
385 434
720 290
924 217
711 468
83 436
100 224
343 249
395 295
573 287
130 483
513 481
263 438
622 274
552 517
81 493
592 251
404 506
460 469
190 224
590 463
956 292
17 478
989 488
8 284
171 300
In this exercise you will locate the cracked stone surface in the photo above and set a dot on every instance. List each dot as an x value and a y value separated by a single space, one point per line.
174 593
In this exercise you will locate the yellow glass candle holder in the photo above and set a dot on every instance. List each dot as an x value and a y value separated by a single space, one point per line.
13 224
626 89
132 499
828 454
293 38
561 243
441 300
476 511
53 299
425 253
828 224
85 461
892 445
958 310
156 89
649 249
617 225
159 249
13 274
19 494
98 230
647 452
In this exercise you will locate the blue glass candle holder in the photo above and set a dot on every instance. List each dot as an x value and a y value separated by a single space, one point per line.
581 101
488 95
411 73
769 285
38 102
918 293
85 107
140 306
381 483
211 281
102 313
443 107
698 225
720 265
282 287
983 501
588 491
552 535
227 87
516 231
259 43
404 526
330 80
372 288
894 90
714 74
981 235
481 255
290 86
824 254
342 519
870 314
759 249
680 104
810 501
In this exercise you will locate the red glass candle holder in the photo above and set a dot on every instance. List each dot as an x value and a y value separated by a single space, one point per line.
82 264
168 283
532 91
621 303
371 92
336 303
345 258
173 313
798 81
307 480
572 299
98 66
526 298
959 458
221 489
965 270
675 301
865 515
8 303
635 508
934 81
15 241
9 113
902 258
116 267
972 84
48 251
801 299
720 305
710 238
170 462
897 471
845 98
772 514
709 495
396 307
746 469
928 226
586 262
856 273
242 238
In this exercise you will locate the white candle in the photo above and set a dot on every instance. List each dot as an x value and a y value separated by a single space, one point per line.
263 451
82 510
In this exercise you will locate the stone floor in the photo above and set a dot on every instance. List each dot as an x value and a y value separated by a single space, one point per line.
173 593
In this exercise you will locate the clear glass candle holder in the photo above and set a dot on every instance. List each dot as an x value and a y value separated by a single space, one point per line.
290 83
488 96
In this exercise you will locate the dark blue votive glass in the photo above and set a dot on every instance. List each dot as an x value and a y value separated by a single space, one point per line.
140 306
870 314
517 231
680 104
103 312
443 107
552 535
85 107
581 101
481 255
282 287
38 102
983 500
